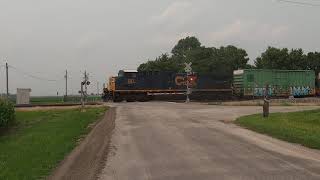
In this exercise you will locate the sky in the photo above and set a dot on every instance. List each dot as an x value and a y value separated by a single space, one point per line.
40 39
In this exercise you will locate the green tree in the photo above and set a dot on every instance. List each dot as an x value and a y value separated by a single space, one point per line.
161 63
186 45
234 57
313 61
274 58
297 60
201 59
249 66
213 59
204 60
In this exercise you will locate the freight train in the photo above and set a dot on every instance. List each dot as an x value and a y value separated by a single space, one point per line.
248 83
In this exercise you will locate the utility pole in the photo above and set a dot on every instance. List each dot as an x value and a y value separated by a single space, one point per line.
66 76
7 77
98 88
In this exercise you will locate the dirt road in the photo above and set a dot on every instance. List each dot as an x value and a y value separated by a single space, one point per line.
163 141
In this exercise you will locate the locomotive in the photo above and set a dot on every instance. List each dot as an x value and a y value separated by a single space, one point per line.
131 85
144 86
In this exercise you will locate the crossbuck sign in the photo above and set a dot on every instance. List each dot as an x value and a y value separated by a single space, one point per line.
188 67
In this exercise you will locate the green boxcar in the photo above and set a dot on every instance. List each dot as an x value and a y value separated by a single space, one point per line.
282 83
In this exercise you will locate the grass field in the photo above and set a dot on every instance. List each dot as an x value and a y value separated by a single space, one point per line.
59 100
41 100
296 127
46 100
41 139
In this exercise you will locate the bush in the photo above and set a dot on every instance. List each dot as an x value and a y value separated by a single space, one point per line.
7 113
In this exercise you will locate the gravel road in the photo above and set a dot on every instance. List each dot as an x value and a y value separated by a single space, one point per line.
164 141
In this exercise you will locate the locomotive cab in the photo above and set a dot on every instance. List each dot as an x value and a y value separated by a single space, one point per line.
128 73
109 89
118 86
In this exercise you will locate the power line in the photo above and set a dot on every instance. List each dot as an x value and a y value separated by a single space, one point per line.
33 76
300 3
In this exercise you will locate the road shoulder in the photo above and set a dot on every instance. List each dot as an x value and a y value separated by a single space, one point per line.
87 159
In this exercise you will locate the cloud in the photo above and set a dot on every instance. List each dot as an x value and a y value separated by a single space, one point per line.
249 31
227 32
169 39
178 11
91 40
174 23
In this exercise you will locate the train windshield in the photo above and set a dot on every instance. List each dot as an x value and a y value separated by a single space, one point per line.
121 73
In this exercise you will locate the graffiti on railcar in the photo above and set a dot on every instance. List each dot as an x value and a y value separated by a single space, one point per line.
301 91
274 91
260 91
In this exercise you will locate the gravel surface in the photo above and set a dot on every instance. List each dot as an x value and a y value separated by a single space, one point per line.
45 108
164 141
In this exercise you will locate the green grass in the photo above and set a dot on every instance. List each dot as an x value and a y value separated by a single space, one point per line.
40 140
41 100
46 100
296 127
59 100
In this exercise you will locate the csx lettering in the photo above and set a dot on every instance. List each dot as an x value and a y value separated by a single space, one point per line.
180 81
131 81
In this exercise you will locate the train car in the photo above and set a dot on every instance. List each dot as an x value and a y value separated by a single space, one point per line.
143 86
281 83
318 85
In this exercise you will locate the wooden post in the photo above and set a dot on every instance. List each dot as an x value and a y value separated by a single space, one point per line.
266 104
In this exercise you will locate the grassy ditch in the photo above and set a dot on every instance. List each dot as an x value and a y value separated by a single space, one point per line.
296 127
41 139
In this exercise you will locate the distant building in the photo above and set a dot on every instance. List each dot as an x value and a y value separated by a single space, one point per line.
23 96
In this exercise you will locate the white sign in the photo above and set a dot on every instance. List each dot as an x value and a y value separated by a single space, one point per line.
188 67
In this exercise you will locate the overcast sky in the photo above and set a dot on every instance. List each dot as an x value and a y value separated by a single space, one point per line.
43 38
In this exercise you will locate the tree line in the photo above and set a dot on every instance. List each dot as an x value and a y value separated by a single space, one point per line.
229 58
